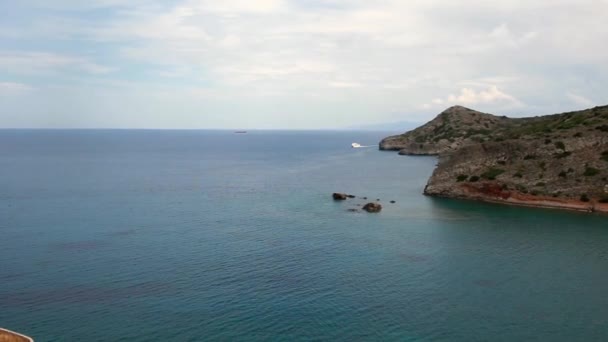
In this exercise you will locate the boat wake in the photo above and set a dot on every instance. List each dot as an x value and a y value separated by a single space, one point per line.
357 145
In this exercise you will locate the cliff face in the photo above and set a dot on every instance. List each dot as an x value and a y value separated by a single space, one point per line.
551 161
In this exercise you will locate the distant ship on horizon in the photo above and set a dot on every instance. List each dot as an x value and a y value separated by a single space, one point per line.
240 132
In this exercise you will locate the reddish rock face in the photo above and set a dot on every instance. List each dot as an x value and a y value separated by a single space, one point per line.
495 190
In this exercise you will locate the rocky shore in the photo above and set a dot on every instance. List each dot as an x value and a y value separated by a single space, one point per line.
556 161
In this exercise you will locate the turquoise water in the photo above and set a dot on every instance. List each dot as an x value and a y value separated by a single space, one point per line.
209 235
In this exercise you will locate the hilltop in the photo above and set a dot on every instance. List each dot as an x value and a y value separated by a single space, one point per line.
558 160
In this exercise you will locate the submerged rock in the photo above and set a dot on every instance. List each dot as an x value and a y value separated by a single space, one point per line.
372 207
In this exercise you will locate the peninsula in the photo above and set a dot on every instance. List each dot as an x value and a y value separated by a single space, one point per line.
553 161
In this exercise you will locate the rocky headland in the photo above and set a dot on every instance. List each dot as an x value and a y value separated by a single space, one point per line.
554 161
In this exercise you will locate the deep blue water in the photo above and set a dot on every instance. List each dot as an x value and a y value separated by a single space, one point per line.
210 235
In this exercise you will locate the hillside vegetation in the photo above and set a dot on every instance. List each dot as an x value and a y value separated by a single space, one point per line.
554 160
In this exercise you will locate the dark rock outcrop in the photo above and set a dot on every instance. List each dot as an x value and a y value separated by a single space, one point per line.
372 207
339 196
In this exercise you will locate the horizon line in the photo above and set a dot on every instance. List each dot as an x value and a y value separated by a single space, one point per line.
179 129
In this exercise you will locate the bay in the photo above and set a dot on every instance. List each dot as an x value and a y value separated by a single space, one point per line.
142 235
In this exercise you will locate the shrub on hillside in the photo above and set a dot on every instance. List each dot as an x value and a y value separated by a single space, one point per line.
563 154
590 171
492 173
603 128
462 178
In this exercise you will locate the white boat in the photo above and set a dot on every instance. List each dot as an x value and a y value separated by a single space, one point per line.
355 145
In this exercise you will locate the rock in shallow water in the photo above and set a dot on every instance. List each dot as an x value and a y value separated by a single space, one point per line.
339 197
372 207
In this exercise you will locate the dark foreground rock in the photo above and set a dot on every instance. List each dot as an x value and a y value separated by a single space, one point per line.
372 207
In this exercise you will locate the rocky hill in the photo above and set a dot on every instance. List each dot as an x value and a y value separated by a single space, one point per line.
556 160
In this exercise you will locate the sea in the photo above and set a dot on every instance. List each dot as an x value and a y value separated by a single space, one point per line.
194 235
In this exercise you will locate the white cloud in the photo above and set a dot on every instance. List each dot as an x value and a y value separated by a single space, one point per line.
14 88
374 44
502 35
82 5
241 6
369 57
344 84
580 100
31 62
470 97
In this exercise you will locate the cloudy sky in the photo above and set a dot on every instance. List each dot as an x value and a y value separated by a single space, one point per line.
294 63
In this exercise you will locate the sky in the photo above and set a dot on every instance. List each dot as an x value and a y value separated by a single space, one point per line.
294 64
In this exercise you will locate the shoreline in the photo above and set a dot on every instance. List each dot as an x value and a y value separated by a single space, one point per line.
523 200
